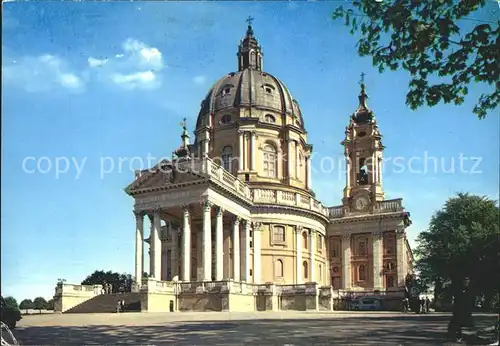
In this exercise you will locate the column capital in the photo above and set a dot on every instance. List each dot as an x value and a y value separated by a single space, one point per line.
299 229
186 208
256 226
400 233
206 205
236 220
157 211
220 211
377 235
139 215
248 223
346 237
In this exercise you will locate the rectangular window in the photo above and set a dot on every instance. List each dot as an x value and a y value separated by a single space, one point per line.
278 234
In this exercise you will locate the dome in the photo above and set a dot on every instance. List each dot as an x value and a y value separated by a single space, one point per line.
250 88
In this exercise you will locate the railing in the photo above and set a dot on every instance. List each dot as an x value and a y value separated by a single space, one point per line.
296 199
274 196
84 290
387 206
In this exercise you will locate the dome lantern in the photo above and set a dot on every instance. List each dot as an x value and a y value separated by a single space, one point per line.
249 51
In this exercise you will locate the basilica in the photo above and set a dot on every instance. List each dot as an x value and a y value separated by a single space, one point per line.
231 222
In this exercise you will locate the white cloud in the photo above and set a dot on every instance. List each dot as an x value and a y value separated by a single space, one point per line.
42 73
137 67
199 80
93 62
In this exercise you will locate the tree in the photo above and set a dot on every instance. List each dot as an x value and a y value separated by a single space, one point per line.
40 304
50 304
462 241
11 302
117 280
428 39
26 304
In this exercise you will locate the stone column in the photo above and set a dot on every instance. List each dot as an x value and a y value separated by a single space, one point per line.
256 252
207 241
377 260
400 257
241 151
219 245
174 254
346 261
151 245
297 167
252 150
186 244
312 269
157 244
348 171
291 172
245 275
139 247
236 249
298 255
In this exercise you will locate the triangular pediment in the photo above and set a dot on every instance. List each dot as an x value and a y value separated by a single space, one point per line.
162 175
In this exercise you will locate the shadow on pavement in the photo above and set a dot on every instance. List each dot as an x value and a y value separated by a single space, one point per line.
403 330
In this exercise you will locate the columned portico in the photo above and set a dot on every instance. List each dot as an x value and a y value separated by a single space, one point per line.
246 252
219 245
156 244
186 244
139 247
207 241
236 248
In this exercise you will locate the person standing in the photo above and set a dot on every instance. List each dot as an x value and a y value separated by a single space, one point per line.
462 310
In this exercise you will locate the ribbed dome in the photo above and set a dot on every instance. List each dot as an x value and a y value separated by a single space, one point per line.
250 88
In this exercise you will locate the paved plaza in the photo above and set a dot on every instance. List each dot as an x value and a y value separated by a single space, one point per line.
266 328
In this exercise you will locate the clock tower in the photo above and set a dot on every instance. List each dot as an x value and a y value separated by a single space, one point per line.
363 152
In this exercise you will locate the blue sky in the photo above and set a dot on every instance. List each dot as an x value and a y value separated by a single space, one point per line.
87 80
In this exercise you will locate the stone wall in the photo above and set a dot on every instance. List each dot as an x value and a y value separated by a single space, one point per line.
162 296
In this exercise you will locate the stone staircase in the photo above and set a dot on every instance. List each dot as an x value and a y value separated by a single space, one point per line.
106 303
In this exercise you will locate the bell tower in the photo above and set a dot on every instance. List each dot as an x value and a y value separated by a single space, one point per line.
363 152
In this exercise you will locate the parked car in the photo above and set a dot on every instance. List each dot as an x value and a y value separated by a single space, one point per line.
10 315
366 304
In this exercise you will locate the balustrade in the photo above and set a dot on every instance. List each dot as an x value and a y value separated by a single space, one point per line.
387 206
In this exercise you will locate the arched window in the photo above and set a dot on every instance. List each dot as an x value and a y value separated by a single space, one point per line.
305 270
227 158
304 240
278 268
362 272
269 119
269 161
279 234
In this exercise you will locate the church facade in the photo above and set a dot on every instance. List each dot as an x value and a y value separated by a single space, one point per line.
236 205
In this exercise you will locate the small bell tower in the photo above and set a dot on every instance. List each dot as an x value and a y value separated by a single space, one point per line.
363 152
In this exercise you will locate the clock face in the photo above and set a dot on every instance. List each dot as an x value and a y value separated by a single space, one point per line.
361 203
